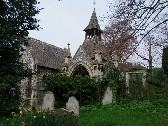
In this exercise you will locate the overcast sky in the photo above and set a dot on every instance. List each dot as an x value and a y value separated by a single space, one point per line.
63 21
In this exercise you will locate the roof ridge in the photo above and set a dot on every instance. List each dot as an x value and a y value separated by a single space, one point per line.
36 40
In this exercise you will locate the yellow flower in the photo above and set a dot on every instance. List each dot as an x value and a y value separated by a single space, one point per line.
34 117
43 117
20 108
21 112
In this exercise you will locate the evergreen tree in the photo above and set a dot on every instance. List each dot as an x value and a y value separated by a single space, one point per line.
16 18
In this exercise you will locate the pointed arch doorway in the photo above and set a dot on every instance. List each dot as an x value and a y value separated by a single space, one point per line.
80 70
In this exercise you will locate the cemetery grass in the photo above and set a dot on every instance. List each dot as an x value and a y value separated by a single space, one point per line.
122 116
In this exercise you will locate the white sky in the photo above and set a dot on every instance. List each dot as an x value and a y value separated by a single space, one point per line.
63 21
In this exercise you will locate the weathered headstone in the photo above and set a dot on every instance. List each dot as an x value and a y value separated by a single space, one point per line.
108 96
48 101
73 105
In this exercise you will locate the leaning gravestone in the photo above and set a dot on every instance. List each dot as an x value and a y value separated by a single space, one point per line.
108 96
48 101
73 105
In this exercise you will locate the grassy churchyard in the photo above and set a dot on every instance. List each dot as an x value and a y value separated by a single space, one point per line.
123 115
133 113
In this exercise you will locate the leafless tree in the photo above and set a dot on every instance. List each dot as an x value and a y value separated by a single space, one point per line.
145 16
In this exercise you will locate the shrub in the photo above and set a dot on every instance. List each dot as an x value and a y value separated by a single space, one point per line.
62 86
116 81
9 95
158 85
36 117
85 89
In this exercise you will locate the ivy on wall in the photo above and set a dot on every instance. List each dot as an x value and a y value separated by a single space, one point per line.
114 79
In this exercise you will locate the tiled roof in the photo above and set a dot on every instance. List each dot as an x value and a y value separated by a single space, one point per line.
128 66
46 55
135 67
91 45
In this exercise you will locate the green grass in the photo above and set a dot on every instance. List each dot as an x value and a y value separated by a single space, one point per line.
122 116
133 113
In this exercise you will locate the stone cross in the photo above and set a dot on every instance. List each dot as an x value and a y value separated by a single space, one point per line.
48 101
73 105
94 3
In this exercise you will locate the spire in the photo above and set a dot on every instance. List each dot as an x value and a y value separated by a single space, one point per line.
93 24
93 29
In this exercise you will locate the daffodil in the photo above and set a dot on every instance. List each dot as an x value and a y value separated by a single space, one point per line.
21 112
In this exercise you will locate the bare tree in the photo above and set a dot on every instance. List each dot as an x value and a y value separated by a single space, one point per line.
144 15
152 46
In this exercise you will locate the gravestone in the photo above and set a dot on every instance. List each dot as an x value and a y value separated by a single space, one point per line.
48 101
108 96
73 105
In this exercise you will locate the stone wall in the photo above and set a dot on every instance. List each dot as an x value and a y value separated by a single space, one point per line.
42 72
32 88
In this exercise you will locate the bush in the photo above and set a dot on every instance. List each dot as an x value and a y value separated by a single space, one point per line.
85 89
9 95
62 86
36 117
158 85
116 81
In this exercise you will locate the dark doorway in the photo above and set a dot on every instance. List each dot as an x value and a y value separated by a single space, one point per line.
81 71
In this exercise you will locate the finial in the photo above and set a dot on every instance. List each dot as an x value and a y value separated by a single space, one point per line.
94 3
68 45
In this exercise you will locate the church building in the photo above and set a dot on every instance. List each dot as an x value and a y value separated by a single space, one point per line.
90 59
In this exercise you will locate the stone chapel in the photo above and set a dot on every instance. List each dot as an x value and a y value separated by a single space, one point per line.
90 59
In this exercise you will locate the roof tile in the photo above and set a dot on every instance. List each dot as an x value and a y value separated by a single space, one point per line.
47 55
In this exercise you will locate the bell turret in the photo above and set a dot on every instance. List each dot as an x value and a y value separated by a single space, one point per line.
93 29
